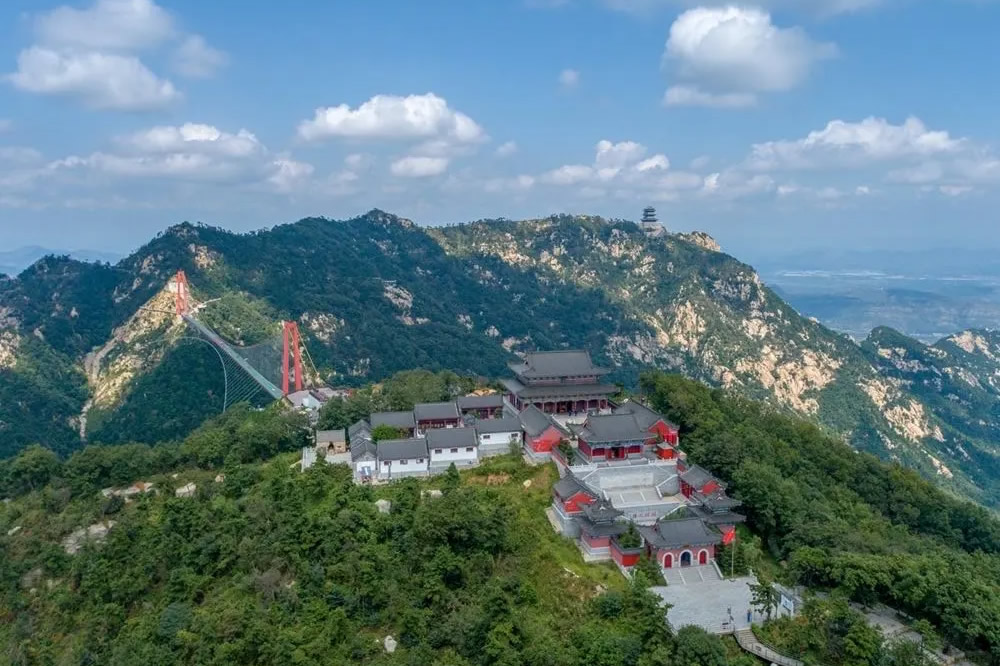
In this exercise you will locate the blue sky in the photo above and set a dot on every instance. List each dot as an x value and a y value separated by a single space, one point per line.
776 127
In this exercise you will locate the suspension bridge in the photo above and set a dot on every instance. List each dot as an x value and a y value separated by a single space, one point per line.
273 367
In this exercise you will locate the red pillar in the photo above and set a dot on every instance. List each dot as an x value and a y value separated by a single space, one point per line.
181 294
291 342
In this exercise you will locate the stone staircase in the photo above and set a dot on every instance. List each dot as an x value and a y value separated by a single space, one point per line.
749 642
691 575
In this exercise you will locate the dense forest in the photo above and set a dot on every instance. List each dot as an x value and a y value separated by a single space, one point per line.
842 521
377 294
267 565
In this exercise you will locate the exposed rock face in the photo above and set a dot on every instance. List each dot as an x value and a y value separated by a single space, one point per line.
702 240
9 343
135 346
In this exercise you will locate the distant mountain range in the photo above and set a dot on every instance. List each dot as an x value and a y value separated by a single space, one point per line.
14 261
86 348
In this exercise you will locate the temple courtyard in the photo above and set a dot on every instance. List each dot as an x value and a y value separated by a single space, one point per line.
699 596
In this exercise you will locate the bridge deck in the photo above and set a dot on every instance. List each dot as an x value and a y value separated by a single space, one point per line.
227 349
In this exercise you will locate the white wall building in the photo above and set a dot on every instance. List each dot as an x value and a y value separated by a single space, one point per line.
497 435
398 458
452 445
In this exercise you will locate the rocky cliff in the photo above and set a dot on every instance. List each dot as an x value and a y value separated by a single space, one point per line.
377 294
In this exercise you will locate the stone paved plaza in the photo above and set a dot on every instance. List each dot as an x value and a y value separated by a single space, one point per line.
699 597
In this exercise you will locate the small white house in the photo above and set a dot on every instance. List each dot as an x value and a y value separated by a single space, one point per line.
496 436
452 445
398 458
363 459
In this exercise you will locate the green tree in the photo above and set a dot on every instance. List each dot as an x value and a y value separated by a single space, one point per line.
384 431
32 468
696 647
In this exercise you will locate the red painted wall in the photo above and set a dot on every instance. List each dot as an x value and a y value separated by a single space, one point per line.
624 559
546 441
597 542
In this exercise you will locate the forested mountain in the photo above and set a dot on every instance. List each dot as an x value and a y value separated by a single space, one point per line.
378 294
263 564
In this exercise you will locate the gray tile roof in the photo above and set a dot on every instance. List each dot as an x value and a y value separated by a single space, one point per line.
601 511
644 416
569 486
567 391
331 436
506 424
360 427
446 438
696 476
402 449
612 428
680 532
570 363
492 401
535 421
435 411
394 419
362 447
601 529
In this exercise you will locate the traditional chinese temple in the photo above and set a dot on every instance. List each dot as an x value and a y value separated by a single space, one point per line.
559 382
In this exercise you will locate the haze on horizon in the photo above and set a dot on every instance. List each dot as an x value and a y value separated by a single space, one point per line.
865 125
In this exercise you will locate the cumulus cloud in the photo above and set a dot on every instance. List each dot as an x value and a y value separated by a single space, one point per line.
506 149
418 166
194 137
193 153
99 80
393 117
728 55
569 78
623 170
106 25
289 174
91 54
849 143
690 96
194 58
820 7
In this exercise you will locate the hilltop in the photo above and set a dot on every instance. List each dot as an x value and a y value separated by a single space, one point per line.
377 294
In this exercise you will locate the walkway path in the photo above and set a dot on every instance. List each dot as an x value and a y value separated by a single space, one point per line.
748 641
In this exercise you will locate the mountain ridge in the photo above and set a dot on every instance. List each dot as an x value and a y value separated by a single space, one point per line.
377 294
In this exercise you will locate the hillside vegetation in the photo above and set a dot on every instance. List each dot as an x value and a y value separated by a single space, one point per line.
266 565
377 294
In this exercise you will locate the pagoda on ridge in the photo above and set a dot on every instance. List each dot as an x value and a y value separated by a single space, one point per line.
649 224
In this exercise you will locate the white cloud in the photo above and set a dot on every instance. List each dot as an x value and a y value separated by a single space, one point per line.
506 149
393 117
728 54
617 155
196 59
417 166
19 155
692 96
357 161
194 137
927 172
821 7
519 183
955 190
654 162
107 25
289 174
99 80
843 143
569 174
569 78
